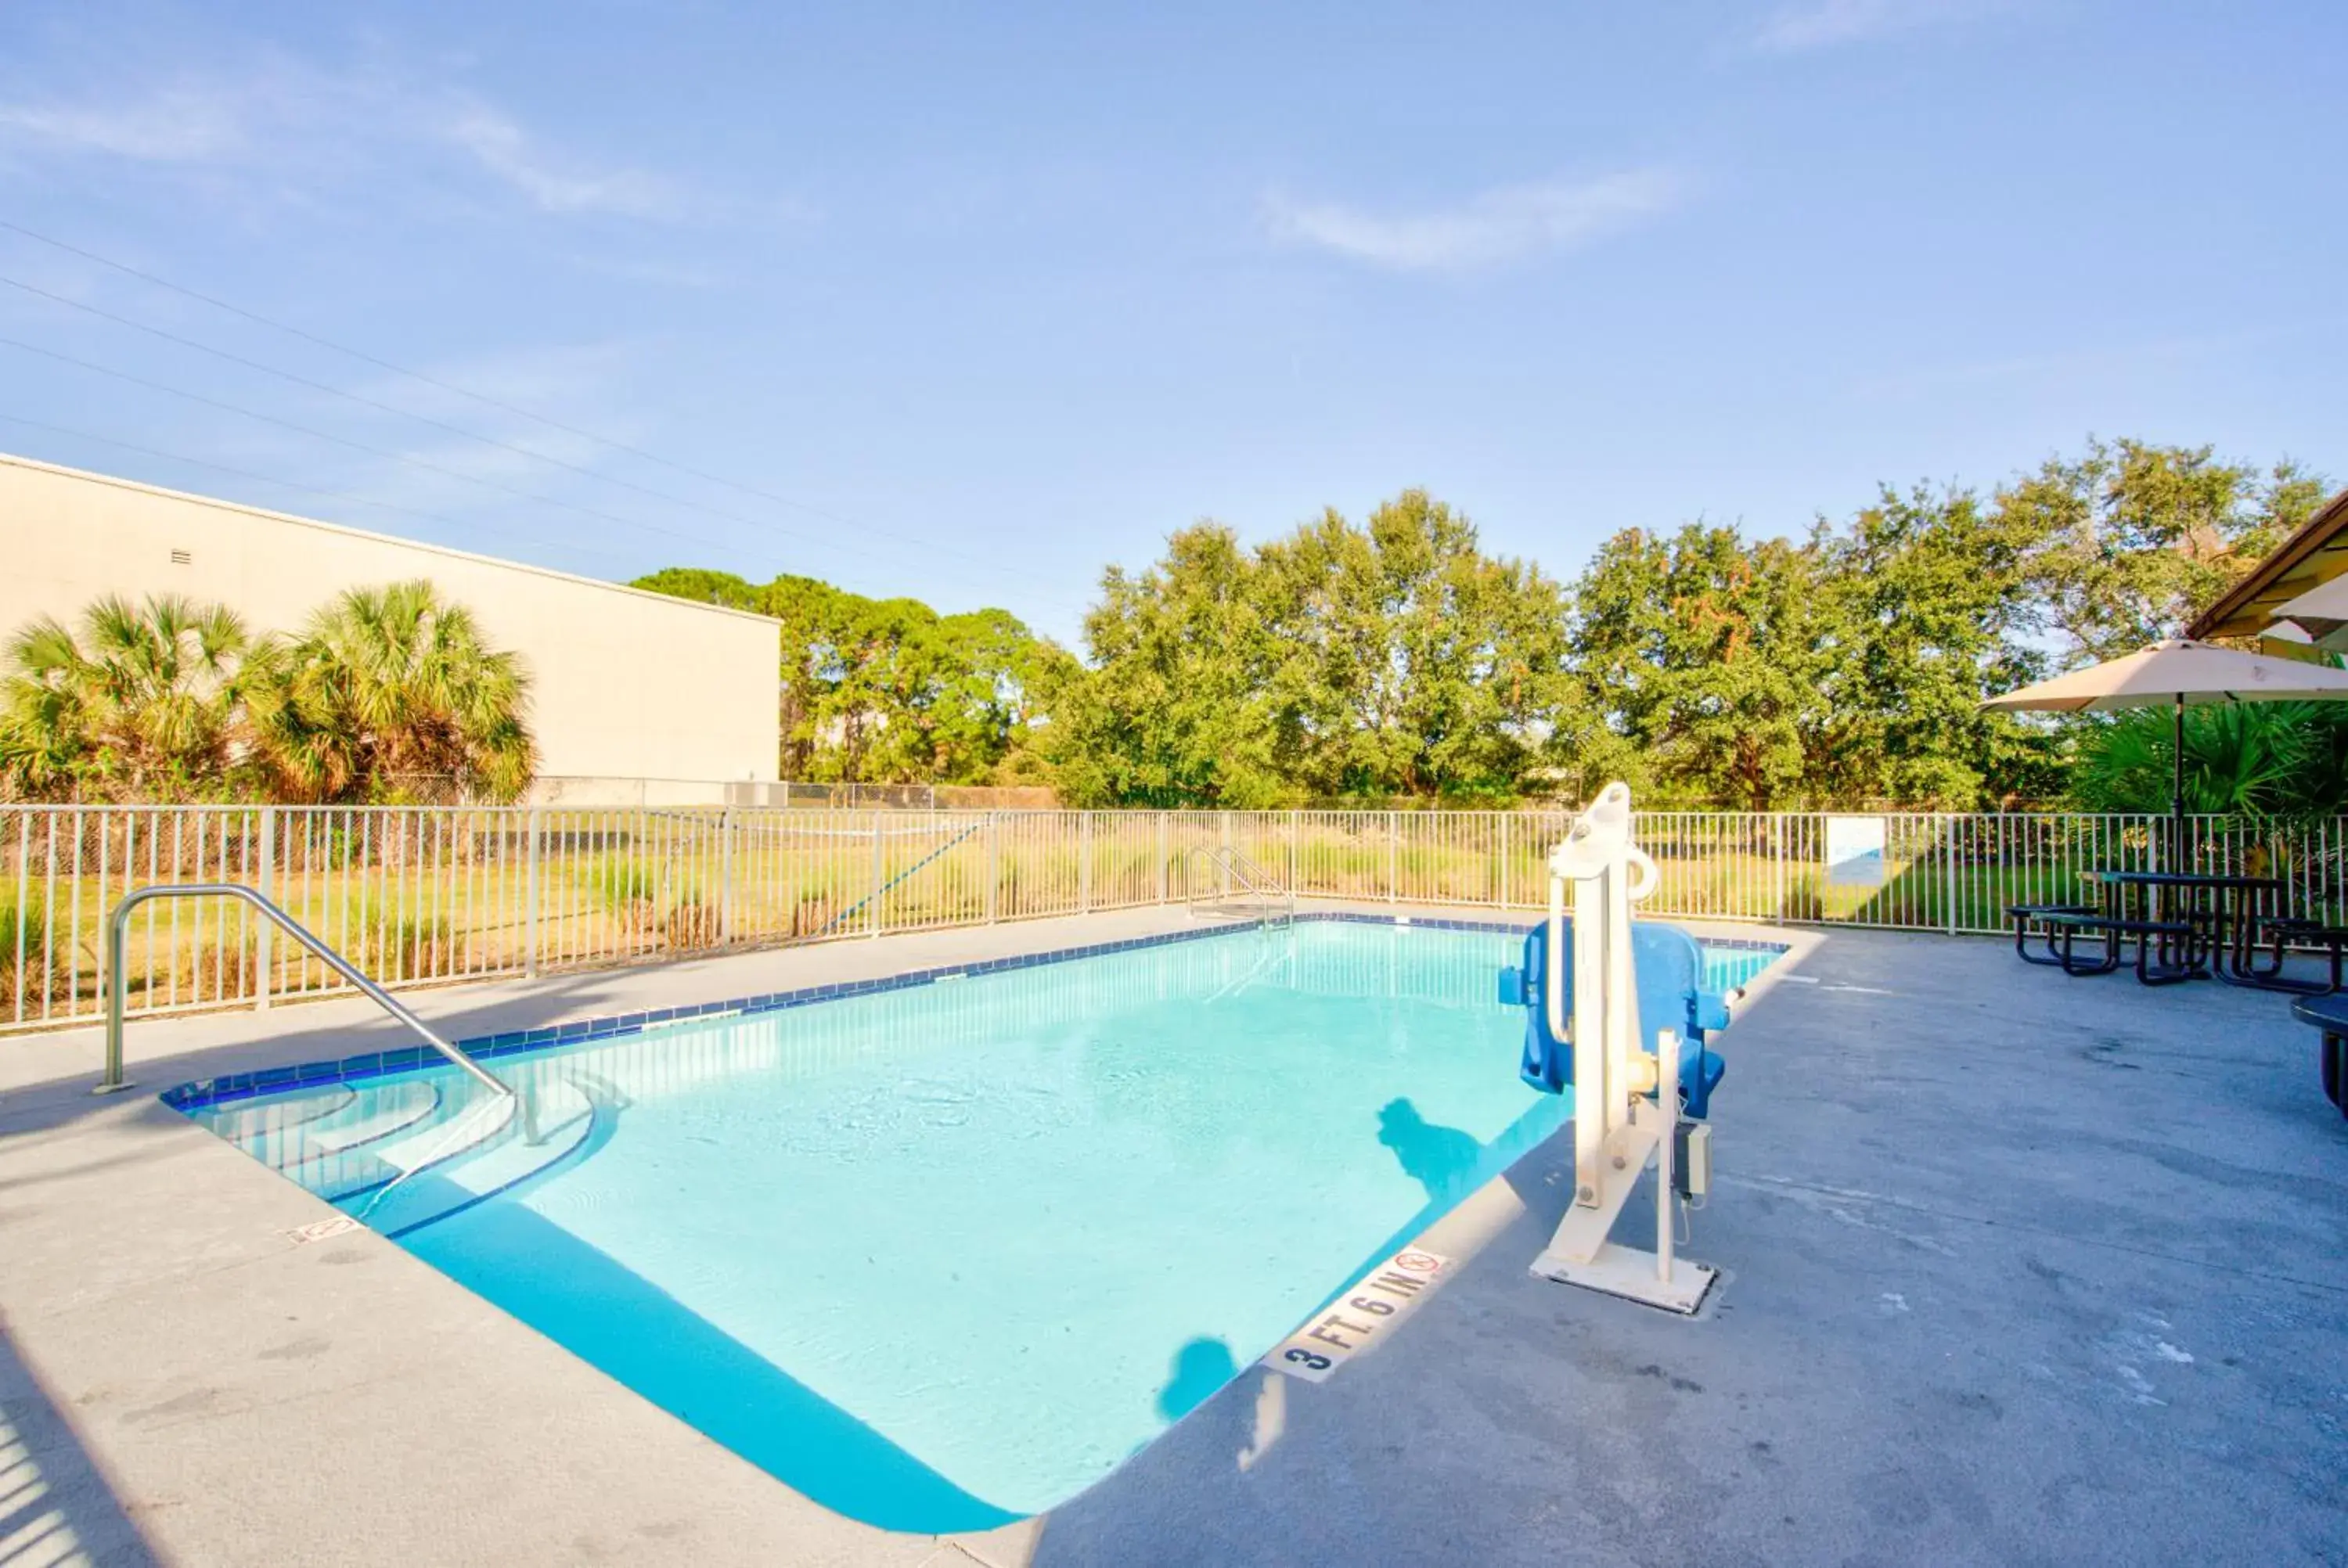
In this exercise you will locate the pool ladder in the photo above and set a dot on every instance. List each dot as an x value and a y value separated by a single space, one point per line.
117 966
1235 883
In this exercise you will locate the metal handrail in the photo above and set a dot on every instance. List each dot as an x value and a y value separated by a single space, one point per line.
117 966
1236 864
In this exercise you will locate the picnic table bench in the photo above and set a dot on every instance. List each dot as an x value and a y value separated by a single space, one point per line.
2166 951
2287 931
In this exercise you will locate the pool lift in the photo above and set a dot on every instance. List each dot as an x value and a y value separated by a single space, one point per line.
1587 984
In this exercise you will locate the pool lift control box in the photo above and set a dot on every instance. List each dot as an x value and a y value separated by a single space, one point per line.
1617 1013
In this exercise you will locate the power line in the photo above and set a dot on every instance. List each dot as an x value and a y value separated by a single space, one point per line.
412 462
457 430
291 485
482 398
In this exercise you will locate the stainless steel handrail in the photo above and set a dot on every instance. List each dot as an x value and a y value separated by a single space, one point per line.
118 965
1237 866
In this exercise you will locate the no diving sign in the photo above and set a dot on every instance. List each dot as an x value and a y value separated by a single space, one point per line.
1356 1320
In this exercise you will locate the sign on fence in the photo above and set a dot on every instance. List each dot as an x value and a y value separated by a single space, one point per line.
1855 850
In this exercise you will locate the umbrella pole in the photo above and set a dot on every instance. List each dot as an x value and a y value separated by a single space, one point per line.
2177 791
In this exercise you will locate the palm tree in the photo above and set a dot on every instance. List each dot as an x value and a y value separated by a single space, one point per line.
390 691
2283 761
140 702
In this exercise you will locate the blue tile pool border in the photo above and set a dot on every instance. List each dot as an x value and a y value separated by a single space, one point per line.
235 1086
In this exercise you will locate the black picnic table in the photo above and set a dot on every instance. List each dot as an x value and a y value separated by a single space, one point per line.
2224 910
2187 925
2245 936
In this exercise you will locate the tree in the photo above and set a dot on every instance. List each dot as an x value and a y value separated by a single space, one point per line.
1848 671
882 690
2134 539
1407 661
1699 650
1177 707
386 692
1394 658
704 586
1925 607
140 705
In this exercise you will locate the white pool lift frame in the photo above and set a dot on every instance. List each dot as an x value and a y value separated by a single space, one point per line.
1617 1128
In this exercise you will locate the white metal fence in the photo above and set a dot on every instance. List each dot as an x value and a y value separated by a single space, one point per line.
417 895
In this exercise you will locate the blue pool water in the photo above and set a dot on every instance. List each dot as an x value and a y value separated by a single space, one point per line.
940 1257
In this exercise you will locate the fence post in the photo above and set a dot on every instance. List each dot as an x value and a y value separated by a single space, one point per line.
1295 847
267 882
530 892
1163 878
1949 838
1084 863
1393 856
873 921
994 861
1778 845
1504 857
726 878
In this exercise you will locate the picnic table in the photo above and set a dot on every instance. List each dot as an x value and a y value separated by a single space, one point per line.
2242 921
2187 925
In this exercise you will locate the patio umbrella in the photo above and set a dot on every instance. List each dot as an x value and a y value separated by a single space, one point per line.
2321 616
2172 674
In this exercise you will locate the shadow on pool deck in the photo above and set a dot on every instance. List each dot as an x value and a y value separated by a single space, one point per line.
2020 1268
52 1499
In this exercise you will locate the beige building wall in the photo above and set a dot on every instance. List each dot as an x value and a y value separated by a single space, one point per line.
625 685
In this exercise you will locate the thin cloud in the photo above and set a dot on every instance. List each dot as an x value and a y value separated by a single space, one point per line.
182 124
1511 224
553 185
1829 23
309 127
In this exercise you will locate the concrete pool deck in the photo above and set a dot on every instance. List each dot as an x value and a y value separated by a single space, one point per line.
2019 1268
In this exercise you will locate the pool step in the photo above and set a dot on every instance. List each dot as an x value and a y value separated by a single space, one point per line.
340 1156
250 1123
484 1150
380 1114
325 1138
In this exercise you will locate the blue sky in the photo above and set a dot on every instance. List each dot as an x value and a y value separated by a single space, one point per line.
972 301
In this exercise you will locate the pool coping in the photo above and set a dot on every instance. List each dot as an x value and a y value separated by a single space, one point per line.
203 1093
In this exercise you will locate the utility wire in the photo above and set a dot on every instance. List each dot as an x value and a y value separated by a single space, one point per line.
384 453
355 445
457 430
482 398
291 484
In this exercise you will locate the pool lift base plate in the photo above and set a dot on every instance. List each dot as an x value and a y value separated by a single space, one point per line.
1580 1254
1629 1273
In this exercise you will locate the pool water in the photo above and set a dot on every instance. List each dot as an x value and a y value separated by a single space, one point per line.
941 1256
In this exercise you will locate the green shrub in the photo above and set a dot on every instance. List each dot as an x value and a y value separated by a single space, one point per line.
631 891
25 954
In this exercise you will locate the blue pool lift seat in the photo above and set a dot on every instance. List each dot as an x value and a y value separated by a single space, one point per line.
1670 968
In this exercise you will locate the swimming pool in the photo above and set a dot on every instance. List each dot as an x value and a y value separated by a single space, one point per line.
941 1252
